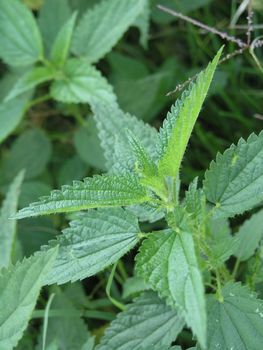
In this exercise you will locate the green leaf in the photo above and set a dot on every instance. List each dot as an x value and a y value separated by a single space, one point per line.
142 22
249 236
220 241
30 80
11 113
8 227
95 240
67 332
60 48
237 322
20 40
111 121
95 192
52 16
143 96
111 18
167 261
143 161
234 182
87 144
35 233
25 153
148 321
195 205
19 289
71 169
134 285
178 126
81 82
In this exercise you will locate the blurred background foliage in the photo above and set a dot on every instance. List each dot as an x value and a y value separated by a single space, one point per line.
57 143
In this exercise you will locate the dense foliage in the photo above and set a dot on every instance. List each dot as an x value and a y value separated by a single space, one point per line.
139 247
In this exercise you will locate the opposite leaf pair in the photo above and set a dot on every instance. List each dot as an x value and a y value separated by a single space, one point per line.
46 54
184 261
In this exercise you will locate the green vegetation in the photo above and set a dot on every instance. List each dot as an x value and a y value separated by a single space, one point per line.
114 236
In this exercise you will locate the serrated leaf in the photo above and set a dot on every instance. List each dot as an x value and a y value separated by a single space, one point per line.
220 241
178 126
95 192
237 322
30 80
111 121
111 18
11 113
8 227
20 40
95 240
143 161
234 182
19 289
195 205
61 46
144 323
167 261
81 82
52 16
249 236
147 212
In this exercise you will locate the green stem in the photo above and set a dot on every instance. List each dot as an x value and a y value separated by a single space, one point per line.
37 101
115 302
219 287
46 316
72 313
235 269
122 270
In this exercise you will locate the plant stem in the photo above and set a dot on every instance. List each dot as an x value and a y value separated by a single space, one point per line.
46 316
219 287
235 270
37 101
115 302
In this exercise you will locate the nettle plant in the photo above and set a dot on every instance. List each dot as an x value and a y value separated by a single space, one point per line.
60 48
189 279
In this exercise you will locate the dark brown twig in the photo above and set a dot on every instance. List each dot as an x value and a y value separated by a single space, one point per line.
249 45
213 30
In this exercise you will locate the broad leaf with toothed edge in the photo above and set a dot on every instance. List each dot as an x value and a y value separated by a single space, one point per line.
237 321
95 240
20 39
19 289
167 261
147 323
178 126
98 191
111 18
234 181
